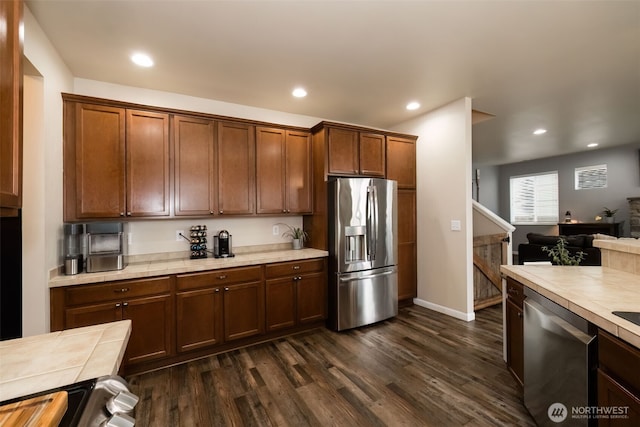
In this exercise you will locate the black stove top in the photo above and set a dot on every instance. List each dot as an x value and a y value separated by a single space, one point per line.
631 316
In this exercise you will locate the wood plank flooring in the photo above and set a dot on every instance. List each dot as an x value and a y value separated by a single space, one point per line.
421 368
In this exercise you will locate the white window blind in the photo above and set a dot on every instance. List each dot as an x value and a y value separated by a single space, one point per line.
591 177
534 198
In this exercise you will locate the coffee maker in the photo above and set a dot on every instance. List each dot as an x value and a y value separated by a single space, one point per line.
222 245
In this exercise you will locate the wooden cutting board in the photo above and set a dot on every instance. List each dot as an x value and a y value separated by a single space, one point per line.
46 410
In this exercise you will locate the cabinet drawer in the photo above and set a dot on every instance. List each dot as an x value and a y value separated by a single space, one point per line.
292 268
619 359
515 291
88 294
219 277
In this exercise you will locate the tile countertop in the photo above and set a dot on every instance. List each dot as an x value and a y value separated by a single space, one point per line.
179 266
590 292
43 362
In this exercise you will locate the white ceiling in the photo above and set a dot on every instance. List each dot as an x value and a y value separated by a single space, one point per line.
572 67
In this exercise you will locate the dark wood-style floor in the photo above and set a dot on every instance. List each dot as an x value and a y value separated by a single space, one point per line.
421 368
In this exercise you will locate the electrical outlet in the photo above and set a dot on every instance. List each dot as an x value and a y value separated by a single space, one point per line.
275 230
179 234
456 225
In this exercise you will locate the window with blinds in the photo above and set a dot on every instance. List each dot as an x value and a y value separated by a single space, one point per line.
591 177
534 198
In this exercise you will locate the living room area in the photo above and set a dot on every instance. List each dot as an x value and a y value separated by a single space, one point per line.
582 189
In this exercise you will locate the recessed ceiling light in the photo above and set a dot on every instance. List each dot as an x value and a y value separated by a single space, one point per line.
413 105
593 144
142 59
299 92
539 131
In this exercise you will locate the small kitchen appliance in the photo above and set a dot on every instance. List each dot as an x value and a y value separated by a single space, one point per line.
75 248
105 241
222 245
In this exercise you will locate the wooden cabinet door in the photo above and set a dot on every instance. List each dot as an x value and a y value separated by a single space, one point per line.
194 153
298 172
236 168
147 163
94 314
401 161
612 394
11 104
243 310
407 263
372 154
343 152
312 298
199 318
515 340
99 162
151 328
270 170
280 303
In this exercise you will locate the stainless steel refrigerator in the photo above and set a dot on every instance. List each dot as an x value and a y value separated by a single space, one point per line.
363 230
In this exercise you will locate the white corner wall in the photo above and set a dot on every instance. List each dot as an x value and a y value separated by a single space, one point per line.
42 210
444 194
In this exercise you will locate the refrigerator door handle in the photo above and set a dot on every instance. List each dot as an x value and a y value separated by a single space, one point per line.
372 221
351 278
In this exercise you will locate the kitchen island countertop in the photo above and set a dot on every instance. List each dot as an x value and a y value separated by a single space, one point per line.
43 362
180 266
590 292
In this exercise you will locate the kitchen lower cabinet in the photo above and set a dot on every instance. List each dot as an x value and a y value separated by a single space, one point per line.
515 329
218 306
618 380
147 303
295 293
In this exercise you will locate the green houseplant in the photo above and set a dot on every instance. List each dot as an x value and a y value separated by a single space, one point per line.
560 254
297 234
609 214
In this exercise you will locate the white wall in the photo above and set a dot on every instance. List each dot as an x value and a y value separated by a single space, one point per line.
445 257
42 211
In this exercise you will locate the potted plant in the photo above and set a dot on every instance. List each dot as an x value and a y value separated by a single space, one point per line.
297 234
560 254
609 214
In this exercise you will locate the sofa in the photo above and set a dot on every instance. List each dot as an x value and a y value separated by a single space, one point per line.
532 251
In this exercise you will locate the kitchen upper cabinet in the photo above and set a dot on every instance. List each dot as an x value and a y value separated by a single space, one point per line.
401 161
195 177
407 245
355 153
11 47
94 162
236 168
147 156
116 162
283 165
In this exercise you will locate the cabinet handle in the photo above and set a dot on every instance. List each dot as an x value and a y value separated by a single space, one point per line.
221 212
125 304
128 213
222 276
226 289
118 304
217 290
122 290
296 267
284 211
299 277
519 314
211 212
121 213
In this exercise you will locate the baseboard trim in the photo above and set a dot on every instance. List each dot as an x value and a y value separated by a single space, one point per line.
467 317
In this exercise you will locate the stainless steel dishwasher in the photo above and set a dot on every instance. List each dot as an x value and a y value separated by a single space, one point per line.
560 357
